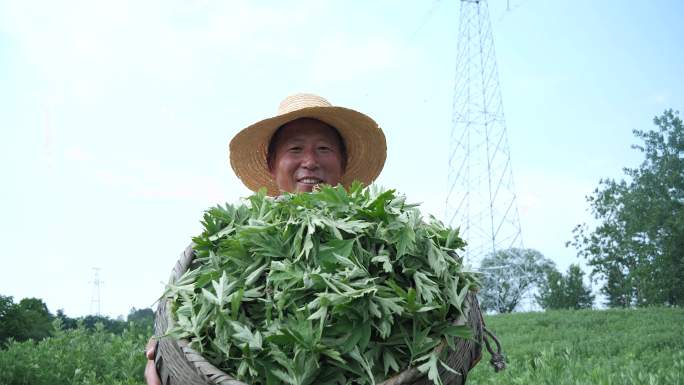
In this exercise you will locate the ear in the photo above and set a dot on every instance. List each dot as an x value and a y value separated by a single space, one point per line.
269 163
271 170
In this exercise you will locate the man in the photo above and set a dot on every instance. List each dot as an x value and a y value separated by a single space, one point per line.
309 142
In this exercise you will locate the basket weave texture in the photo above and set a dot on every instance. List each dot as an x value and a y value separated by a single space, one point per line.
178 364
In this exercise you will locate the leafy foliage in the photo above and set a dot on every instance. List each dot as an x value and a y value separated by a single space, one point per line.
509 275
638 245
77 357
565 292
29 319
552 347
142 317
93 350
329 287
573 347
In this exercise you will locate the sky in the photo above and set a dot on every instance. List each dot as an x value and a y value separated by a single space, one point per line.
115 117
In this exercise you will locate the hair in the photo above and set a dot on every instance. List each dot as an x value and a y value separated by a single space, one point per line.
270 153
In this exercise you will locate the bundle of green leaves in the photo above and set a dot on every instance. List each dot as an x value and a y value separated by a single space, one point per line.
330 287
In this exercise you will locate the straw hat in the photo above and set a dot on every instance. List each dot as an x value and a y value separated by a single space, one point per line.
364 141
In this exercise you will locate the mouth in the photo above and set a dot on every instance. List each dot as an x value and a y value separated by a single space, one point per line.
310 180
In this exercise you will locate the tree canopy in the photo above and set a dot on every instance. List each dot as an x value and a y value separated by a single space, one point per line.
637 247
510 274
567 291
29 319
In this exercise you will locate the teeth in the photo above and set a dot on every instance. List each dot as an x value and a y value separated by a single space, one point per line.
309 180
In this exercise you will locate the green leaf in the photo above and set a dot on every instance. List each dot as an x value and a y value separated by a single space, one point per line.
356 355
365 331
431 368
426 288
436 259
336 286
210 297
389 361
386 263
254 275
242 334
460 331
235 301
329 252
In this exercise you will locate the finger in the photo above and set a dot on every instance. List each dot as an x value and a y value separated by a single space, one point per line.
151 376
151 348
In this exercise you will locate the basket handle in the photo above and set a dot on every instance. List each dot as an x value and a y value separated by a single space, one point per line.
497 361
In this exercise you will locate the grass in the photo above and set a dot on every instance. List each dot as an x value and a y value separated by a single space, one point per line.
606 347
617 346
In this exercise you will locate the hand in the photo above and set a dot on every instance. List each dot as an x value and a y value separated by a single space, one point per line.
151 375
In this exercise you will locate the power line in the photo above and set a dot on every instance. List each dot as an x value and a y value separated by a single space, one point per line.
426 18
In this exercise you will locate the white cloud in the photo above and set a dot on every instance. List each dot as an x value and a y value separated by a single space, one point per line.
659 99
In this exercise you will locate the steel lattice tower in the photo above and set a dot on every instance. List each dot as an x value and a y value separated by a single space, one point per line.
95 299
480 192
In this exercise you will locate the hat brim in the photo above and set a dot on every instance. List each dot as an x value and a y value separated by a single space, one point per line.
364 141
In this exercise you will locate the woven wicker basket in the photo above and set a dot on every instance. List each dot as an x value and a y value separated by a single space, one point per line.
178 364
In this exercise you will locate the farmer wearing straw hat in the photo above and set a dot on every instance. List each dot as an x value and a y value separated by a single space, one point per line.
309 142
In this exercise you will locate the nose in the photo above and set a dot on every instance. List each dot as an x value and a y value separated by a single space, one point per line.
309 160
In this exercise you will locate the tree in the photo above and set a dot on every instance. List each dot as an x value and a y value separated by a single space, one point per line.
6 304
565 291
36 320
29 319
108 324
637 248
66 322
510 274
143 317
7 323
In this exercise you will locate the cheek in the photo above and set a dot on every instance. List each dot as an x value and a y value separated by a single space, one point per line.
283 167
334 166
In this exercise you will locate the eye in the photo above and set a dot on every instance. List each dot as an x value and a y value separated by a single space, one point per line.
324 149
294 149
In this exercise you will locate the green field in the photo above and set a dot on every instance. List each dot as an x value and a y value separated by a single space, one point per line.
643 346
77 357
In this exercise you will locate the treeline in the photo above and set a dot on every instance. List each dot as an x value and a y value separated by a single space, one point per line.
512 275
635 250
637 244
30 319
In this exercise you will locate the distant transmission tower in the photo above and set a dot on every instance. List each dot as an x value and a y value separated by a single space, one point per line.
95 299
480 193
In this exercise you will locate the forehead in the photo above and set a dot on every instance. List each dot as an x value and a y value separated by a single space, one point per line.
306 129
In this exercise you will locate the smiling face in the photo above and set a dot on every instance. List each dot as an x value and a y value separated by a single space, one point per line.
305 153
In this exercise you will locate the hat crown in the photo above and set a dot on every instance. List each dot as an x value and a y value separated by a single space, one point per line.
300 101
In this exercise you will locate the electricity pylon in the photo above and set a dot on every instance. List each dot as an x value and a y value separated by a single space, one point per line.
95 299
481 197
